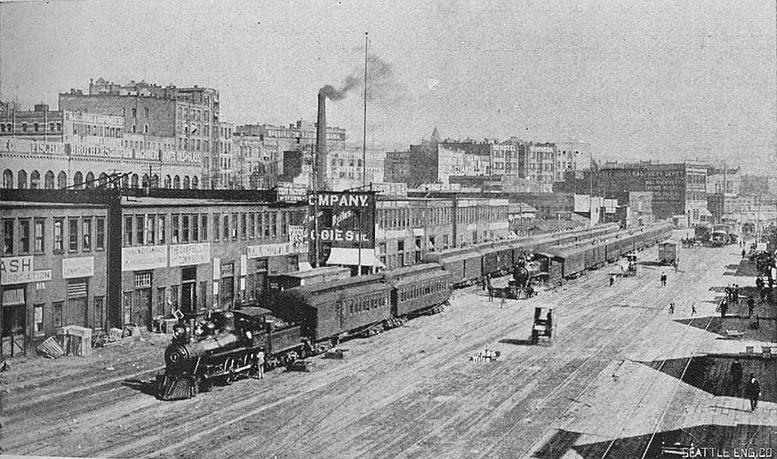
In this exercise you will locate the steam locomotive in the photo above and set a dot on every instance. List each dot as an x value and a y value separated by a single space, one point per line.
222 346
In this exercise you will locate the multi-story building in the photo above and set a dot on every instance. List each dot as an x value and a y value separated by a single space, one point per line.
346 168
679 190
571 156
229 168
396 166
188 253
189 116
266 145
536 161
408 228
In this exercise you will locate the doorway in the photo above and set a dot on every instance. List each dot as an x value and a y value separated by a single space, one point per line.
189 289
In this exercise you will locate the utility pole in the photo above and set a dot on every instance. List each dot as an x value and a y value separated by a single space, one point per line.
364 133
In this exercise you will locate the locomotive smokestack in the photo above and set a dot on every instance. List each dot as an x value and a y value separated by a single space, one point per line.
321 154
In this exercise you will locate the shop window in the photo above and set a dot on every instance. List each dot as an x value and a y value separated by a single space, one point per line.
37 324
24 236
195 228
59 224
273 224
140 221
251 222
86 227
176 230
40 234
57 313
8 237
161 229
184 229
99 311
73 234
150 229
128 230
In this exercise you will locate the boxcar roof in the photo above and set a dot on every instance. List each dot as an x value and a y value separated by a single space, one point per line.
315 272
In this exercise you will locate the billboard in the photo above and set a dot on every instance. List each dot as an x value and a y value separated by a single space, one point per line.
341 219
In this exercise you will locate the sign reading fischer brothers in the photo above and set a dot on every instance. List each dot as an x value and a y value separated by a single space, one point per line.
341 219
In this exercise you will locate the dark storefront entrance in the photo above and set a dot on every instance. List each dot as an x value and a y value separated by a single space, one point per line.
188 289
77 298
227 290
14 320
142 307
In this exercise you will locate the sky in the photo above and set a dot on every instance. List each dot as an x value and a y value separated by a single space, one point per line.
666 80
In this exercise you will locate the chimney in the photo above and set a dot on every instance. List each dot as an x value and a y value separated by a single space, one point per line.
321 156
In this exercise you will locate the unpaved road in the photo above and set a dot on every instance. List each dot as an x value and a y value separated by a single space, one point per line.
409 392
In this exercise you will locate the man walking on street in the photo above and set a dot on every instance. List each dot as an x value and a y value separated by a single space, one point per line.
663 279
671 308
723 308
693 309
612 280
753 392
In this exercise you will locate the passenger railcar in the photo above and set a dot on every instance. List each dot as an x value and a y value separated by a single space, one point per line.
418 289
335 310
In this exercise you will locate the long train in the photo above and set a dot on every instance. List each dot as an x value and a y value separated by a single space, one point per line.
220 346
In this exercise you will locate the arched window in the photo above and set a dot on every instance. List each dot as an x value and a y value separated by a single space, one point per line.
168 182
48 181
22 179
146 184
155 181
89 181
177 183
195 183
62 180
185 182
103 180
35 180
7 179
78 181
125 181
135 181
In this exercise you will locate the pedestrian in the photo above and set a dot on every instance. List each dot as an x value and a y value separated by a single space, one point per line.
612 280
671 308
729 295
750 307
259 365
736 376
743 253
490 293
723 308
484 282
693 309
759 282
753 391
674 263
502 302
663 279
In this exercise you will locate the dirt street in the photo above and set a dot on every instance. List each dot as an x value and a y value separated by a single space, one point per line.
412 391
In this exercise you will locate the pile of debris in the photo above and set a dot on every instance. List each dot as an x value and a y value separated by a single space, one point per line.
486 356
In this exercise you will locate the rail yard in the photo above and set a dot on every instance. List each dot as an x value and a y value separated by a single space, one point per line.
621 378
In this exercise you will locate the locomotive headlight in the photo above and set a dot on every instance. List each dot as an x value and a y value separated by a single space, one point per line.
249 335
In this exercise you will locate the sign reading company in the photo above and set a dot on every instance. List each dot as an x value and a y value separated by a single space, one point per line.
189 254
77 267
143 258
18 270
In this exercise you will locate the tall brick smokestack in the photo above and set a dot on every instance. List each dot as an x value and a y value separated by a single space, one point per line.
321 154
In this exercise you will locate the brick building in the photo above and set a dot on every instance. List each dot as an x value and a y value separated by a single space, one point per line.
678 189
187 116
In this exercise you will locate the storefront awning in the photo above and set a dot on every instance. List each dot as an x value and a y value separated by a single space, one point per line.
13 296
350 257
305 266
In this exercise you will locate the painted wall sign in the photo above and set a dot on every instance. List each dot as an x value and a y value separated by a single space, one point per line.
189 254
19 270
143 258
77 267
